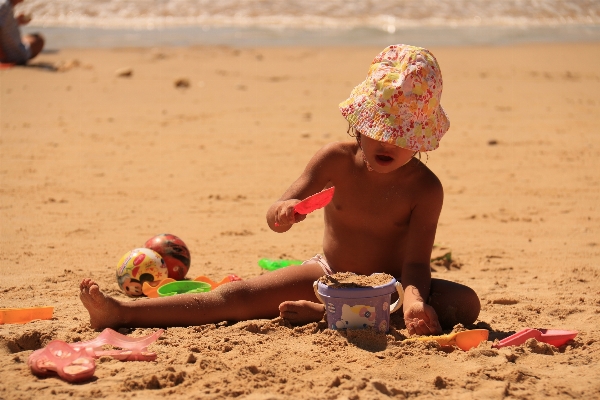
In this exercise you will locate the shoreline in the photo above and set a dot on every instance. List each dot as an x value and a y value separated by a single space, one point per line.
70 37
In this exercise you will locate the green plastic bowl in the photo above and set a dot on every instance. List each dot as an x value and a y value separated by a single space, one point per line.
181 287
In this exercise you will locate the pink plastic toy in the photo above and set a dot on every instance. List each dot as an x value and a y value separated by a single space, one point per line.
555 337
74 362
133 349
61 359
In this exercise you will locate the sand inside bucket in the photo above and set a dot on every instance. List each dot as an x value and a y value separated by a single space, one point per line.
351 280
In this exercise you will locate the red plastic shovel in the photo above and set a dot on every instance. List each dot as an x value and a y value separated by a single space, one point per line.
314 202
555 337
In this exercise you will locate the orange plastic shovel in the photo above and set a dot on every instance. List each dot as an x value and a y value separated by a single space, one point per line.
24 315
464 340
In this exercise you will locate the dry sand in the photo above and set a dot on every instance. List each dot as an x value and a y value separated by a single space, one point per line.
199 141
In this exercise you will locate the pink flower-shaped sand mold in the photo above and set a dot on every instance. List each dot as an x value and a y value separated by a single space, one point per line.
74 362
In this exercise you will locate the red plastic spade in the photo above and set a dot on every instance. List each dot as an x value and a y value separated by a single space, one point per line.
314 202
555 337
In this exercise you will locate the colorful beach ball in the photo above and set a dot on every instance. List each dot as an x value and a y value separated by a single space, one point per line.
175 253
138 266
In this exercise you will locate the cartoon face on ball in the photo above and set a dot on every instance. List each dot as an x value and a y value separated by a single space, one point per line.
133 287
138 266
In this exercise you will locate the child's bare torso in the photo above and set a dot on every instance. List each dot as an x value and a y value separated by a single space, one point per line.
367 225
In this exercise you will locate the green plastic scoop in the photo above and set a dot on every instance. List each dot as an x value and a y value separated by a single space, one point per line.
181 287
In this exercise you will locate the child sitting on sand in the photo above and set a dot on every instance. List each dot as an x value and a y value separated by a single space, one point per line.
382 218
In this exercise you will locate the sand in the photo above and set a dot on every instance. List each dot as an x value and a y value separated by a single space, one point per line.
198 142
351 280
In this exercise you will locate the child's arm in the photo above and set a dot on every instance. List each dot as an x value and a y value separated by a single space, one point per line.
421 318
316 175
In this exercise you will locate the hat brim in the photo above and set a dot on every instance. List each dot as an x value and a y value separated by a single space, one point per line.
406 129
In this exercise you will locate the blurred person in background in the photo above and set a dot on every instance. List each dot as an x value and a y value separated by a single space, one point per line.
14 48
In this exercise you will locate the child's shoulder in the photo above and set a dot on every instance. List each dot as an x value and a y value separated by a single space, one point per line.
337 151
341 148
425 179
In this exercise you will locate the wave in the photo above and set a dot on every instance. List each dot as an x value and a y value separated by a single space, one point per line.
388 16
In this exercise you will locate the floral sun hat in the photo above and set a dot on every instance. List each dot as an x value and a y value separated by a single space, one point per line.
399 101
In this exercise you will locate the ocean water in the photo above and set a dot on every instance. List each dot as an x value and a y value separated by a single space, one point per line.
118 23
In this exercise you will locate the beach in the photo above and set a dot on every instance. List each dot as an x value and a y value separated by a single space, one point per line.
103 148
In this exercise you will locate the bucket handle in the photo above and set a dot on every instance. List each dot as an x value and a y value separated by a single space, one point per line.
316 289
393 308
398 303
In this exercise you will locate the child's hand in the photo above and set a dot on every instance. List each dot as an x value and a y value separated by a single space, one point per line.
421 319
285 214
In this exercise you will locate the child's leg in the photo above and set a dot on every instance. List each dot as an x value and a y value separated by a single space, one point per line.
454 303
258 297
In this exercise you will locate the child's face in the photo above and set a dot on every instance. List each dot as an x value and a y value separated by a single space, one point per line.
384 157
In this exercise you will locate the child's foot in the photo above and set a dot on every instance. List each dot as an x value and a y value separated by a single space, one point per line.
301 312
103 309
